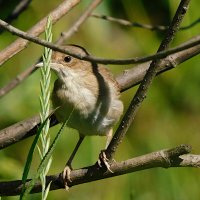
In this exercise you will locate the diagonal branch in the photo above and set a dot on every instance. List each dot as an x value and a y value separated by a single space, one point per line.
22 130
65 35
20 43
158 55
20 7
130 77
127 79
134 76
74 28
146 82
17 80
124 22
175 157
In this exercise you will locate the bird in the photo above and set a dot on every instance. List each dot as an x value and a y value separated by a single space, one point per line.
86 94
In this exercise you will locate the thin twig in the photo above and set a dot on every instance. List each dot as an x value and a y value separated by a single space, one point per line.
65 35
20 7
17 80
146 82
126 80
134 76
130 77
74 28
124 22
130 24
167 158
90 58
20 43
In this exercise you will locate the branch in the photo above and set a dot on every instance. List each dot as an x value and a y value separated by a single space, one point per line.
20 7
124 22
134 76
176 157
20 44
16 81
146 82
22 130
74 28
158 55
126 80
65 35
130 77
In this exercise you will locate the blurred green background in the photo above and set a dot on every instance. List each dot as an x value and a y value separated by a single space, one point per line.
170 115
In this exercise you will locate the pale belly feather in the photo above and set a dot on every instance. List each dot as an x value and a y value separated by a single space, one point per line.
78 105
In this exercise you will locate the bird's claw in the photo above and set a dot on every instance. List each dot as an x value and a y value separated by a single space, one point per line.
66 176
103 160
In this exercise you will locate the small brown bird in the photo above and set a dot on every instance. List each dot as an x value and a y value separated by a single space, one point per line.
86 94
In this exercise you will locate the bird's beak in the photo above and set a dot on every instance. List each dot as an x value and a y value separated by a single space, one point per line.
53 66
38 65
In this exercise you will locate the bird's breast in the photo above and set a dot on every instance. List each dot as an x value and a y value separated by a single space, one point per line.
92 109
73 94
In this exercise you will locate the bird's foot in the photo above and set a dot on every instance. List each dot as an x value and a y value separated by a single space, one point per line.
104 161
66 176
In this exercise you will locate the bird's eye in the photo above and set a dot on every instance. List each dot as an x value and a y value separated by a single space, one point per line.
67 59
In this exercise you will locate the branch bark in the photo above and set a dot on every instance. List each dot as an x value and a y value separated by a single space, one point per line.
134 76
20 43
167 158
20 7
158 55
141 93
22 130
128 78
74 28
64 36
124 22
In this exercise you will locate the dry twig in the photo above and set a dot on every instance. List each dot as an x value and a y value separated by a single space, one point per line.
146 82
74 28
20 44
20 7
64 36
124 22
158 55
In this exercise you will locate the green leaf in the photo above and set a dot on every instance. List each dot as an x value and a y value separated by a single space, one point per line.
46 157
30 158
